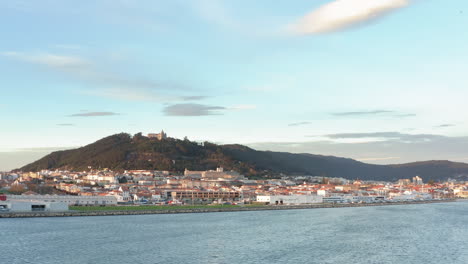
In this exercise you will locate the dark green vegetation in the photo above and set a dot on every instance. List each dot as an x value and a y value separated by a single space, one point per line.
124 152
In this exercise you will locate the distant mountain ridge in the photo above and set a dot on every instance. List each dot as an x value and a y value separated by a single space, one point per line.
125 152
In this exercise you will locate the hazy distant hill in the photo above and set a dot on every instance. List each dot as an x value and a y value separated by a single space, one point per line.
122 152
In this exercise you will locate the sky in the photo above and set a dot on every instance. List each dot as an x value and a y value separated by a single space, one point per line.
380 81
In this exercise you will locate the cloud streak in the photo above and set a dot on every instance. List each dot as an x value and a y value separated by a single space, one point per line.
344 14
386 136
193 110
299 124
363 113
445 125
61 62
377 159
378 112
109 84
405 115
401 151
94 114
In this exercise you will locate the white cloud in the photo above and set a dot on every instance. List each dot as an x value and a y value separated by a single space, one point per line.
342 14
377 159
94 114
50 60
299 124
407 148
111 85
193 110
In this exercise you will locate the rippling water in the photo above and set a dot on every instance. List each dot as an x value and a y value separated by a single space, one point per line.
426 233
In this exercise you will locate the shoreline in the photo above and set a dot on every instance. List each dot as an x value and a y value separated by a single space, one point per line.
203 210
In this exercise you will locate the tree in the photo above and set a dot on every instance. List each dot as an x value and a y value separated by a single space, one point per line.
123 180
17 189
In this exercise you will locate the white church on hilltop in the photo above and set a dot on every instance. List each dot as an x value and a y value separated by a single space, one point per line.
159 136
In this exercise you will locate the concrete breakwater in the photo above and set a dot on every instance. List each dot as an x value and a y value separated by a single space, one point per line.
175 210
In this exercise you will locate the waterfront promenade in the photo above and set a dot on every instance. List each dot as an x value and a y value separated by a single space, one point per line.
207 209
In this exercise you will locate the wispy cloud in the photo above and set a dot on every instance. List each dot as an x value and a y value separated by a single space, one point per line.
378 112
66 124
94 114
43 149
377 159
400 147
344 14
135 14
62 62
193 110
125 93
108 84
299 124
445 125
194 97
405 115
385 136
363 113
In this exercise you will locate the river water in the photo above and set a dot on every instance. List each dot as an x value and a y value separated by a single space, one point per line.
423 233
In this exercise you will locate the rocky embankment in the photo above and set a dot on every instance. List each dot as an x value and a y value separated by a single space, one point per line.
175 210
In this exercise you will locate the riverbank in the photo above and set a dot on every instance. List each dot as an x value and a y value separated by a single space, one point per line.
207 209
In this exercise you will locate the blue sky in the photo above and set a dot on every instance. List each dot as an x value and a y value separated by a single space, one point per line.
382 81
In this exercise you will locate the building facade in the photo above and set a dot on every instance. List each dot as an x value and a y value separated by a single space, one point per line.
67 199
159 136
290 199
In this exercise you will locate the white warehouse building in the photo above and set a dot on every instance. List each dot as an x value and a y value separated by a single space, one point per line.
290 199
33 206
67 199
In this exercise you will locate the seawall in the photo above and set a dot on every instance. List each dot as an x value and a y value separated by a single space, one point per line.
174 210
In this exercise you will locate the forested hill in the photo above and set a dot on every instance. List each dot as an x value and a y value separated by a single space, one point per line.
125 152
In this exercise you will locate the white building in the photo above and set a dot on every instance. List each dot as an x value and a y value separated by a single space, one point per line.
361 199
67 199
290 199
409 196
322 192
417 180
334 199
159 136
34 206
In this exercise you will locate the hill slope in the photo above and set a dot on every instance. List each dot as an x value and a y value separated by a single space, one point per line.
123 152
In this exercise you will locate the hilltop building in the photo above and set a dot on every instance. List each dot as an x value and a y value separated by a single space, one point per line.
159 136
219 173
417 180
404 182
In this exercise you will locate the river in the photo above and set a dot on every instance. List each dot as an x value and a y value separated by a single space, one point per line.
421 233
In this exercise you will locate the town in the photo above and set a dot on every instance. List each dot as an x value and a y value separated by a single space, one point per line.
55 190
